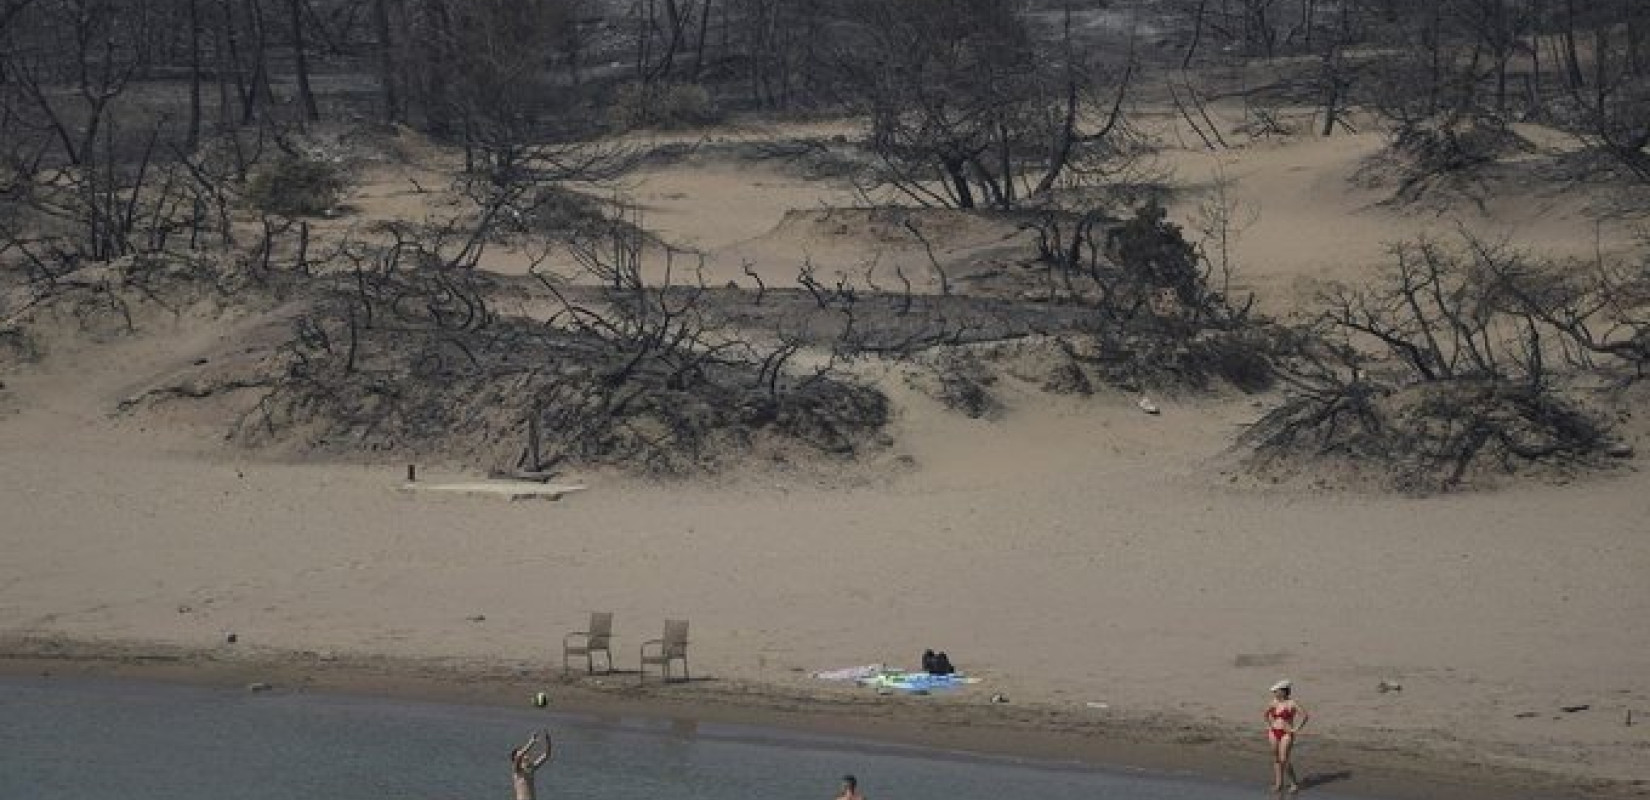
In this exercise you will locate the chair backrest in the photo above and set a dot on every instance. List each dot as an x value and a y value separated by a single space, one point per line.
601 628
675 643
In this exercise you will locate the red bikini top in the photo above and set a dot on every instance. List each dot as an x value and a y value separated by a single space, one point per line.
1287 713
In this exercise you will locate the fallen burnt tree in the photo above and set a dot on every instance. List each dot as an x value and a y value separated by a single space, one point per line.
1158 309
409 352
1128 304
1427 436
1445 371
1447 155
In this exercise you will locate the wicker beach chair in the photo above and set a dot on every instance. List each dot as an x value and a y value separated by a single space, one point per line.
587 643
673 647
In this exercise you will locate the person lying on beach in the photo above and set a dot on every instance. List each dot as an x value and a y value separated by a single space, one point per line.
1284 720
850 789
523 764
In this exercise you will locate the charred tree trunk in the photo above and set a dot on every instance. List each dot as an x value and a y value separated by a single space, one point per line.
387 75
1572 62
957 171
229 63
704 33
194 134
1197 33
258 88
300 58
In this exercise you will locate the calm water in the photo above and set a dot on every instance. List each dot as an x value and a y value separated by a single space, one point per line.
124 741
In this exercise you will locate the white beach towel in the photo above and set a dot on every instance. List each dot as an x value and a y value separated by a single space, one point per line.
850 673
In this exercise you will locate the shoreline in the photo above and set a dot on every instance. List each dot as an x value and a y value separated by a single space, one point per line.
956 725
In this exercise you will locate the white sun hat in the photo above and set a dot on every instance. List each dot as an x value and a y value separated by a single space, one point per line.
1281 686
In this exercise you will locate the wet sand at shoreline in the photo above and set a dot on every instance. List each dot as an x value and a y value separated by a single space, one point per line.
939 726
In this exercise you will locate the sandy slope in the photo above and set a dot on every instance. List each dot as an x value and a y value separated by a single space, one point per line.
1074 552
1316 216
1319 215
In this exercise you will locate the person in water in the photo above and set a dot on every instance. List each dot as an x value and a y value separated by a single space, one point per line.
850 789
523 764
1284 720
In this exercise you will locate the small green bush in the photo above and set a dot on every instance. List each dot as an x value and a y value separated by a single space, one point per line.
295 186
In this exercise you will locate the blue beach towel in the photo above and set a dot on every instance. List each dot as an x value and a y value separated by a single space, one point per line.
915 682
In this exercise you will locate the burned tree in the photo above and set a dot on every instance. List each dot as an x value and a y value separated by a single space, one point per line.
968 110
1609 104
411 347
1452 366
477 72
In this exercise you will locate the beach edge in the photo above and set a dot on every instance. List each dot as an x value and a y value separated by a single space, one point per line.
1164 743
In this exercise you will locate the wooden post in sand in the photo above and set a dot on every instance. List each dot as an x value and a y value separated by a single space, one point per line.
535 461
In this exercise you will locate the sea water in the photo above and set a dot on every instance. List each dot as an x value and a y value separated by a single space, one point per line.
63 739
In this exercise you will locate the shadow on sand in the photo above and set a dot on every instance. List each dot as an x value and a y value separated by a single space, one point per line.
1325 778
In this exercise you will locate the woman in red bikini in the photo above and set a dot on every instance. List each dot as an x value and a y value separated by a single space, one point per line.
1284 719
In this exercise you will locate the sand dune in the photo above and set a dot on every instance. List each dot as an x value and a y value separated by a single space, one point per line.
1074 551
